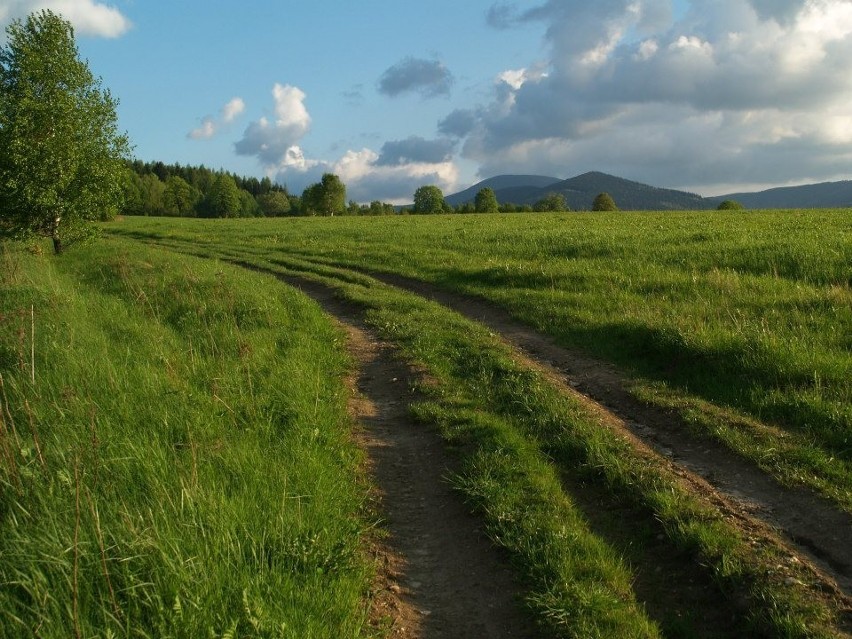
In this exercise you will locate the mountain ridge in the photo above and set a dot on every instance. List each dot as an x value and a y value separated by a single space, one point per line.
580 191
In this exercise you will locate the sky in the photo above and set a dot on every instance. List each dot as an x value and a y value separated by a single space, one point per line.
709 96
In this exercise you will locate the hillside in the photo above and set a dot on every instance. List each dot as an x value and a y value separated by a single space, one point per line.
518 186
808 196
581 190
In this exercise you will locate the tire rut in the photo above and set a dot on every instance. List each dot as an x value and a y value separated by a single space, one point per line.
811 524
441 576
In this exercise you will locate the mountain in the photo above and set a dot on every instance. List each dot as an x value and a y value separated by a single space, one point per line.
809 196
518 186
581 191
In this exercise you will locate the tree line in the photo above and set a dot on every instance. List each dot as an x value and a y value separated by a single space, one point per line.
430 199
155 188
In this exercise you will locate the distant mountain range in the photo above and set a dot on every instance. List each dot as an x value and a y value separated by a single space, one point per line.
580 191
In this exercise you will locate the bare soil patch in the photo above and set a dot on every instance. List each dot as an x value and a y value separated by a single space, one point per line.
441 576
812 525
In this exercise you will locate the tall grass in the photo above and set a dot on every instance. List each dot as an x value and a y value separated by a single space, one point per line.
181 466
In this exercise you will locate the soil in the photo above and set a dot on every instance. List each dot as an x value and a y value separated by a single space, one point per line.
812 526
440 576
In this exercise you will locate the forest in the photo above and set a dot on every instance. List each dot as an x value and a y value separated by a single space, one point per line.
156 188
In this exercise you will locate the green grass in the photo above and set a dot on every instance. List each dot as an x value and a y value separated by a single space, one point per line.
679 299
524 445
741 321
492 404
182 465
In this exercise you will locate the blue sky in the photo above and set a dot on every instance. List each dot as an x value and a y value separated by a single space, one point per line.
711 96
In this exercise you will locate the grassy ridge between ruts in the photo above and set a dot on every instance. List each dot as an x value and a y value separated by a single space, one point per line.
524 443
741 322
176 461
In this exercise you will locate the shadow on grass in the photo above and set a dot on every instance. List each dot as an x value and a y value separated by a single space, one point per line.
728 375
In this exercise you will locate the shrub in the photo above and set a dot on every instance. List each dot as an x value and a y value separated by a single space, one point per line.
604 202
730 205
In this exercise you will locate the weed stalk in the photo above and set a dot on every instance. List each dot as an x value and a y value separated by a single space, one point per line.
34 431
74 591
7 433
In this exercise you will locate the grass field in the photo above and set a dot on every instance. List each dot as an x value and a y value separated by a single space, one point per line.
740 321
182 464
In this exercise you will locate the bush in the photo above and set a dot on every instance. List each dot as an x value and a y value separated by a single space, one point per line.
730 205
604 202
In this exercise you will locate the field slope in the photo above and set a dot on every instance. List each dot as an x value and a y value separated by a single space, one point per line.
176 461
177 458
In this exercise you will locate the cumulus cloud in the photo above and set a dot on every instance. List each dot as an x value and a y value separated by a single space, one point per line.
415 150
780 10
729 90
367 179
429 78
458 123
89 17
272 140
210 126
232 110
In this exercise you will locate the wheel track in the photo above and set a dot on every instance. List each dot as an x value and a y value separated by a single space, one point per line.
811 524
808 522
421 591
820 532
442 577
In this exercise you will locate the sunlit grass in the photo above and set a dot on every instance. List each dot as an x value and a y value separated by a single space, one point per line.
181 466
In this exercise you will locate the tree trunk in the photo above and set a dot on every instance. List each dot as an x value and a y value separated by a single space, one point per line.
54 234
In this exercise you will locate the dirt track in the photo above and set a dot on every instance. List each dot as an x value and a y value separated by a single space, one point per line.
811 524
447 580
442 577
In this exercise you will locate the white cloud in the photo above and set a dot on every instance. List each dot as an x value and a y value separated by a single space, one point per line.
89 17
516 78
204 132
232 110
391 176
750 90
210 126
290 109
365 177
272 140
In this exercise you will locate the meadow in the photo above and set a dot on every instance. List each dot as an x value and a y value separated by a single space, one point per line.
742 322
181 462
